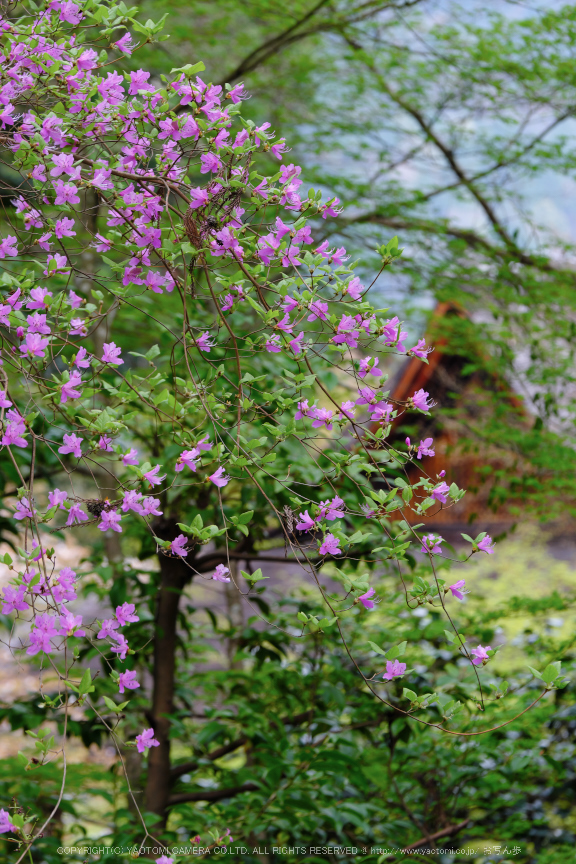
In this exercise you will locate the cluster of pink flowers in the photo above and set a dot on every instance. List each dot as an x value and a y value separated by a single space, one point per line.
146 140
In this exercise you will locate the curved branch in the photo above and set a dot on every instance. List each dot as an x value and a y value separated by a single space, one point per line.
212 794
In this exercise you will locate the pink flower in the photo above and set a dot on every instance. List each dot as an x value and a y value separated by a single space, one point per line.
70 12
64 163
72 444
76 514
78 327
34 345
330 546
318 310
354 288
304 410
200 198
127 679
57 497
38 298
273 345
109 625
420 400
111 354
365 599
480 655
296 344
393 333
367 396
219 478
333 509
37 324
145 740
8 246
69 624
7 825
63 228
44 241
431 543
13 434
40 638
382 412
6 117
110 519
237 93
131 501
306 522
440 492
150 507
152 476
221 574
103 244
370 368
82 359
66 193
56 264
125 614
164 859
24 510
394 669
290 256
69 390
285 325
323 417
4 402
125 44
121 647
420 350
204 444
13 599
203 342
210 163
129 458
425 448
456 589
329 208
188 458
486 545
177 547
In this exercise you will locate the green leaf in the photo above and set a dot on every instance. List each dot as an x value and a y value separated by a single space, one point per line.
190 69
377 649
396 651
245 518
112 705
551 672
253 577
85 685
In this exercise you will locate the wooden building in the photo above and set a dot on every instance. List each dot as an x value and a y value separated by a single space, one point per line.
471 401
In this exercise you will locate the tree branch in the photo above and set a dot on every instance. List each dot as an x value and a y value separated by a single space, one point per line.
290 35
451 159
211 794
179 770
445 832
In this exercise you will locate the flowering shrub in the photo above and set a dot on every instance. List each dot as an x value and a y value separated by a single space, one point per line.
263 410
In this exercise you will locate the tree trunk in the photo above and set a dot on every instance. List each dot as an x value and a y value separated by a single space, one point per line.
173 577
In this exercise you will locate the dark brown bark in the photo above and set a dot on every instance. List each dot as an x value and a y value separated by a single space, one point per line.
173 577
